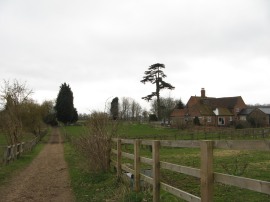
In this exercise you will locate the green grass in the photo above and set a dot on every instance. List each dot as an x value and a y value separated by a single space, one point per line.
225 161
136 130
2 139
7 171
88 186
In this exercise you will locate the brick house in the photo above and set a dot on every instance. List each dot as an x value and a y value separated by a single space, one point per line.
258 116
209 110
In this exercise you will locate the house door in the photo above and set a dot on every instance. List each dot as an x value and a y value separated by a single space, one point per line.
221 121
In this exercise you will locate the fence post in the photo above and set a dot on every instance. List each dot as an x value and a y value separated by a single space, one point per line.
18 146
156 171
137 165
13 152
118 158
7 155
207 175
22 148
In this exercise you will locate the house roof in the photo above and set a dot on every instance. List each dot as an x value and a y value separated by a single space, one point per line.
178 112
247 111
266 110
210 106
223 112
225 102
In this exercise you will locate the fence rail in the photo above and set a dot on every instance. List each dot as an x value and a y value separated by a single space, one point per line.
210 133
13 152
205 173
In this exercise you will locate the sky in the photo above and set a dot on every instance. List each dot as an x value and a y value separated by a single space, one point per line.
102 48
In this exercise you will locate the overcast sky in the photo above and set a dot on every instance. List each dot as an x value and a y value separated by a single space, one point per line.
102 48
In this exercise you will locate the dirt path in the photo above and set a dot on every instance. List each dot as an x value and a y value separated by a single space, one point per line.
45 179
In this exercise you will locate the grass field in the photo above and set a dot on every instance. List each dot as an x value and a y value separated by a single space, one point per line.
252 164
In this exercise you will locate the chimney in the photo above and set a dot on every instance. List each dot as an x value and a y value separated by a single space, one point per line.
202 93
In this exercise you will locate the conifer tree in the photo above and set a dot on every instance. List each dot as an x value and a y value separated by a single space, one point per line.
155 75
114 108
65 111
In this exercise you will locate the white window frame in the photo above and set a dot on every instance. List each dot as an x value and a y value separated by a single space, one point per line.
220 121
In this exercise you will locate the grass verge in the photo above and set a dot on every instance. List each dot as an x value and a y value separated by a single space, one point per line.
7 171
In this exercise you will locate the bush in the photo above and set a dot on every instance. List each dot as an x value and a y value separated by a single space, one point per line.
153 117
242 125
95 144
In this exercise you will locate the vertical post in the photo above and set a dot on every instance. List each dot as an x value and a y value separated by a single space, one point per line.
137 165
119 158
207 175
18 150
156 171
13 152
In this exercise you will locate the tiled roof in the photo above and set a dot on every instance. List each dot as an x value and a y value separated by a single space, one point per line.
205 106
266 110
247 111
178 112
226 102
224 112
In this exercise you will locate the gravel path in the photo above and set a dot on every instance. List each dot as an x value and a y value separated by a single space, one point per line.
46 179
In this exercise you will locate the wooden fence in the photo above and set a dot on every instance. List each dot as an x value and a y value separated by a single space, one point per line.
201 132
205 173
13 152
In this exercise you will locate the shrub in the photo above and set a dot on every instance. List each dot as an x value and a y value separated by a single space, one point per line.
95 143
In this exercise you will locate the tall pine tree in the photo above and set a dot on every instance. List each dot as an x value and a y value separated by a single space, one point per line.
65 111
155 75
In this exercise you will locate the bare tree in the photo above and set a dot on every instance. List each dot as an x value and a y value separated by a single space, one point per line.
13 96
136 110
166 107
130 109
125 108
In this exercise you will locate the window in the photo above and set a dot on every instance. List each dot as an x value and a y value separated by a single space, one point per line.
221 121
209 119
243 118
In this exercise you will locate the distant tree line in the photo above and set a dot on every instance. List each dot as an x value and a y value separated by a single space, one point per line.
128 109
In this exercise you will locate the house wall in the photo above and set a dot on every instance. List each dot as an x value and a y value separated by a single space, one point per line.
228 120
238 107
259 117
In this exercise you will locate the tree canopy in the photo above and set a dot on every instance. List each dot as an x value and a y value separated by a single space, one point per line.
65 111
155 75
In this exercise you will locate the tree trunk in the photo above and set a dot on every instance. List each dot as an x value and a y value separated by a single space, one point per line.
158 101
